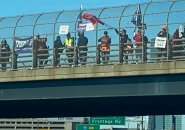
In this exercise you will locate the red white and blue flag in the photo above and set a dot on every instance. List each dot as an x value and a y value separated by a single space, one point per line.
92 18
137 18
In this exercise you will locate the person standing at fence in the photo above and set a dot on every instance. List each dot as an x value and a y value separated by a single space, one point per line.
128 50
42 49
58 46
177 44
105 47
69 46
163 34
123 43
138 38
82 48
4 53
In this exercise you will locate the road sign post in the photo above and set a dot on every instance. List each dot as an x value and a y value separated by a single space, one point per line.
115 120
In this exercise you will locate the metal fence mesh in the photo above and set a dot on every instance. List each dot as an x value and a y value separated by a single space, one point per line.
154 14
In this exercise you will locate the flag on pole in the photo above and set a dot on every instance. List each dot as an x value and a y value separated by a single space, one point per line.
80 26
92 18
137 18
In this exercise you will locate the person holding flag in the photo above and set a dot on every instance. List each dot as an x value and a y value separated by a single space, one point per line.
105 47
139 38
137 19
125 44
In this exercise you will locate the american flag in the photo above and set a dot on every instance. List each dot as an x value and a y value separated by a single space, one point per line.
137 18
92 18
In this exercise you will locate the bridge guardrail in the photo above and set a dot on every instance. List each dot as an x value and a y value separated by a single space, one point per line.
152 16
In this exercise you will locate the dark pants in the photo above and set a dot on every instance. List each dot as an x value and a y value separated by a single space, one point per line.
42 60
105 56
58 61
70 56
83 56
4 63
180 48
163 53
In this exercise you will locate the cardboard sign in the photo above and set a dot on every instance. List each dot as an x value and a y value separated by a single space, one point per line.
64 29
160 42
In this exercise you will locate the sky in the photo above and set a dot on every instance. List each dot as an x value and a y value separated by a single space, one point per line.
20 7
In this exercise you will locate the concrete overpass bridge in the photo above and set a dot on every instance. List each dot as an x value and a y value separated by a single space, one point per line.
129 89
149 81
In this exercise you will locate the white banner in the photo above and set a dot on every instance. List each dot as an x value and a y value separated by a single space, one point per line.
82 27
64 29
89 27
160 42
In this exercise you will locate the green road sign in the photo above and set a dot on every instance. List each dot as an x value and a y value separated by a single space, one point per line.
114 120
87 127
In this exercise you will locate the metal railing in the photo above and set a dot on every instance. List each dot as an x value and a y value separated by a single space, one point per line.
154 15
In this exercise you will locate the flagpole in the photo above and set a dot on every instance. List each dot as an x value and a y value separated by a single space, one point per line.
81 6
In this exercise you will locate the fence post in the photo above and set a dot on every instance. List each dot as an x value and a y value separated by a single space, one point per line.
35 59
75 55
14 60
169 50
98 55
55 54
144 48
120 53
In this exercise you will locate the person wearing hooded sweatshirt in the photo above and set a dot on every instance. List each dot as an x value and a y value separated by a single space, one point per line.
4 53
58 44
123 41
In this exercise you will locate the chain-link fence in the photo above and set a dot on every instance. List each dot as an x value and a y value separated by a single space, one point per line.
142 24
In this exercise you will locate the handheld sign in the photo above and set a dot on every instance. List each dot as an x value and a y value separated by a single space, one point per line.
64 29
160 42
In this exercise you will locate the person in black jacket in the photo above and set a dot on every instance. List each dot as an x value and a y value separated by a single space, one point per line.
82 48
40 46
58 44
4 53
123 43
105 47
